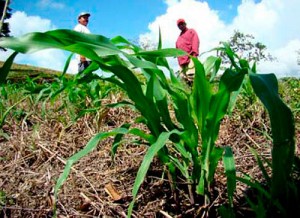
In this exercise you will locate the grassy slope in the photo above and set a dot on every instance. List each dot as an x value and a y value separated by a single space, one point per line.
19 71
30 69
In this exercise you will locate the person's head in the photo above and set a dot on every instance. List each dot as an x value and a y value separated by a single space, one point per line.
83 18
181 24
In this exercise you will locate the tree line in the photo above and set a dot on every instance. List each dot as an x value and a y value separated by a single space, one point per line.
5 13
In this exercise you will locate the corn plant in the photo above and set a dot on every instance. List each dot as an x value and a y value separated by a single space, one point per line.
10 98
80 95
185 142
282 193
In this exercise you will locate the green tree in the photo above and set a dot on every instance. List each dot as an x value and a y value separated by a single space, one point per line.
4 14
245 47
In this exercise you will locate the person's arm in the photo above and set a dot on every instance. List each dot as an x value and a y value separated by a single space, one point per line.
195 44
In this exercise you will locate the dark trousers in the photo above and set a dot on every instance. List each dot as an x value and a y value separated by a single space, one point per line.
83 65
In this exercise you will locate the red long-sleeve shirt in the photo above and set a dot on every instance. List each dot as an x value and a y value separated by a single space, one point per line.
188 41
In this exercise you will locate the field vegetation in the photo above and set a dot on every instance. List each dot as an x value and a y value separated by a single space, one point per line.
139 144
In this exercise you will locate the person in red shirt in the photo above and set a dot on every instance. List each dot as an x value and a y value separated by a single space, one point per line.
188 41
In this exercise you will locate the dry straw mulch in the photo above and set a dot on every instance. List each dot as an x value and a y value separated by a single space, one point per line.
35 153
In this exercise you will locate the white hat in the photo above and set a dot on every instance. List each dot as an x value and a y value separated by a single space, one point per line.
83 14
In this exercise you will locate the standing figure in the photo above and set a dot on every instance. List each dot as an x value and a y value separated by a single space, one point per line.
83 20
188 41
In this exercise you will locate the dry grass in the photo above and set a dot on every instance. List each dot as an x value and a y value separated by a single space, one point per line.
34 155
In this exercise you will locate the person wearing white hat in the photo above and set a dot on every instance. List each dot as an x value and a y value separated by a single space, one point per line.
83 20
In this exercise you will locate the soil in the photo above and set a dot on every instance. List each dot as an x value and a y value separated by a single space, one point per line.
34 150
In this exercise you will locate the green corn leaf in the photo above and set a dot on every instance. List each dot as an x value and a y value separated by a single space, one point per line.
113 79
148 158
189 131
123 43
231 55
215 156
86 150
226 212
44 92
201 94
140 63
183 115
282 121
3 117
120 104
254 184
219 103
145 105
138 132
258 206
283 131
230 172
165 52
67 64
265 194
233 99
244 64
183 167
253 68
158 73
87 75
81 113
182 150
261 166
118 139
89 45
161 61
230 81
257 186
159 46
234 95
135 131
155 90
212 66
4 70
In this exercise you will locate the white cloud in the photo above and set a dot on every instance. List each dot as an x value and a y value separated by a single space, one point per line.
271 22
286 64
197 15
20 24
49 58
257 19
73 67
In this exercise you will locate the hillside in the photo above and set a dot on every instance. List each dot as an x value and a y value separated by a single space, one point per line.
17 68
20 71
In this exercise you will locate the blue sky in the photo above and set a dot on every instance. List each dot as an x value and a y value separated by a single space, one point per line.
111 17
272 22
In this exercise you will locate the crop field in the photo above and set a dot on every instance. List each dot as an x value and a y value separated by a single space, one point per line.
140 144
